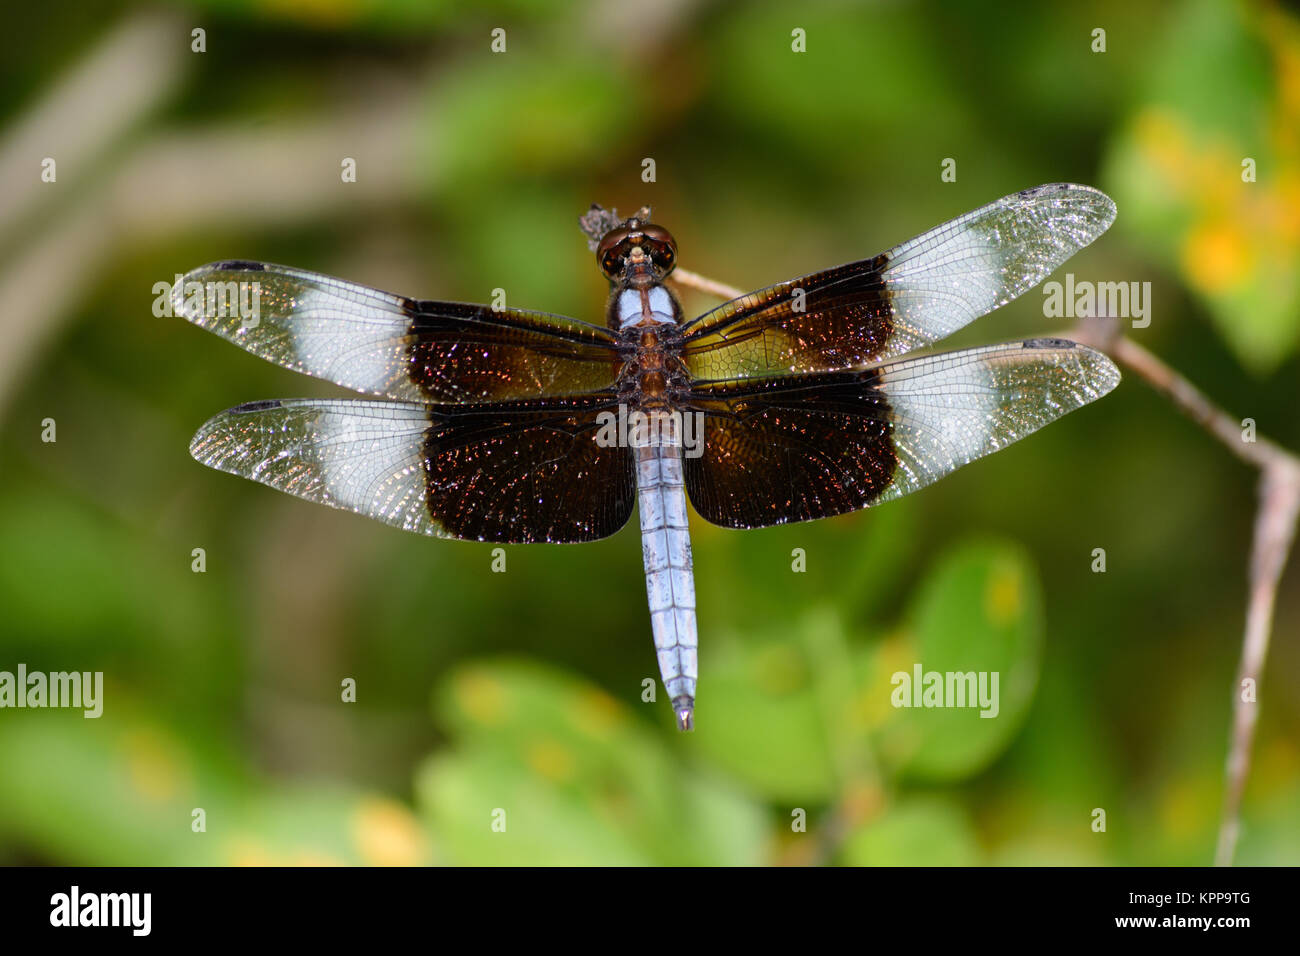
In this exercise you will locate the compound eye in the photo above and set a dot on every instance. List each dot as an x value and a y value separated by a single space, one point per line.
658 234
663 246
607 253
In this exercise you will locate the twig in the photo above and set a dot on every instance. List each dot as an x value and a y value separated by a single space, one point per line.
1104 334
693 280
1275 525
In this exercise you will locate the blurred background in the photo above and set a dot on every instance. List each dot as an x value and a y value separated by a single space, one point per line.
522 691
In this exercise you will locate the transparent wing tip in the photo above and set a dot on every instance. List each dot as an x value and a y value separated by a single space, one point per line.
1101 374
1101 208
180 292
206 445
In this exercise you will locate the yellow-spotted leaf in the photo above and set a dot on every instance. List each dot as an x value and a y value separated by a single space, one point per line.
547 769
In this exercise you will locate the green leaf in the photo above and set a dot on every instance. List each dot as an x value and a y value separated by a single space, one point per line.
321 825
975 622
488 810
567 776
122 790
922 831
760 719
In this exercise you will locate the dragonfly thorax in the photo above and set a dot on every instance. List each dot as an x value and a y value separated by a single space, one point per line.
643 307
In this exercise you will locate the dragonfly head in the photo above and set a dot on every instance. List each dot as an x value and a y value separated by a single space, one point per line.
637 249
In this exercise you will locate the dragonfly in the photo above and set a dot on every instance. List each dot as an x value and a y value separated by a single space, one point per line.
795 402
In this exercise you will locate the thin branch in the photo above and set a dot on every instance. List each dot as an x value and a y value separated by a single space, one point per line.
1275 526
693 280
1104 334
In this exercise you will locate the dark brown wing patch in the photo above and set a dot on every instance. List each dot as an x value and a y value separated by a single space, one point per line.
791 450
834 319
469 354
526 472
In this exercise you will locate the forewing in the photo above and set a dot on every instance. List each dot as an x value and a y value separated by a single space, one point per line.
389 345
912 295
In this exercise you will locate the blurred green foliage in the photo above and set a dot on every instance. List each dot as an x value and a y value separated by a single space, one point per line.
1223 92
500 718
